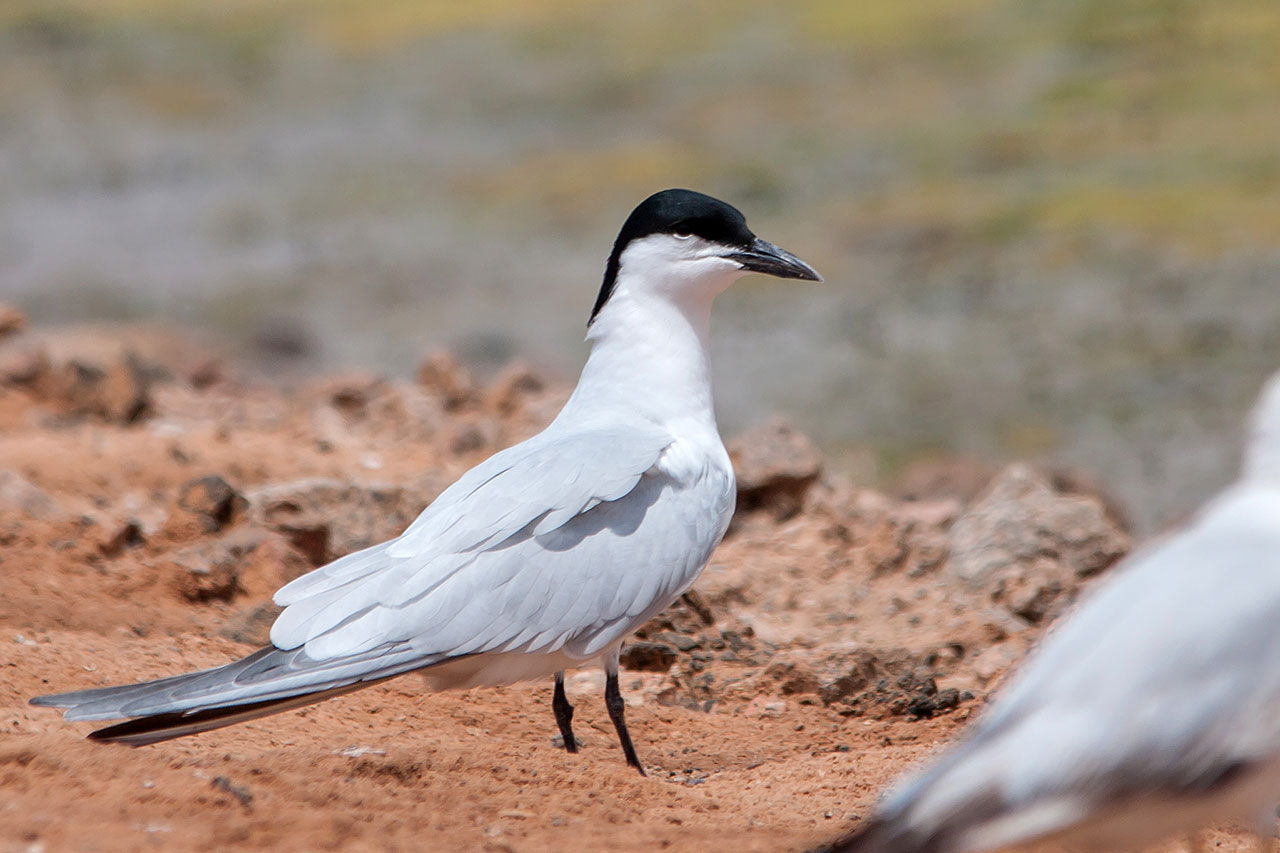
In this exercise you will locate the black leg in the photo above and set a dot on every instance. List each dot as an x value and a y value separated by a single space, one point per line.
613 701
564 714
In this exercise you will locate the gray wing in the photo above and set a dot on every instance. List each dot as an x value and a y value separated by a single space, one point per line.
555 547
1164 682
536 549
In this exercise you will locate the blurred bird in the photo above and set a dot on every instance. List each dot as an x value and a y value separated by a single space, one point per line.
544 556
1153 710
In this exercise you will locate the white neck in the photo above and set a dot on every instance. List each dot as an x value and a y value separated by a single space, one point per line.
648 360
1262 448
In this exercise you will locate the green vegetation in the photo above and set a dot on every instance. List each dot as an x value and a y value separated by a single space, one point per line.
1046 224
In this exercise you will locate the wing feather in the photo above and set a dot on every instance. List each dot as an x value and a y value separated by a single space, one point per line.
1162 683
540 548
543 483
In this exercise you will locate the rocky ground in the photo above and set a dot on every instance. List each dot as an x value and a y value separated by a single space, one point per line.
152 497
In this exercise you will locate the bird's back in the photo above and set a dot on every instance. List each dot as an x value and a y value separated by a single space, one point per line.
1162 686
562 544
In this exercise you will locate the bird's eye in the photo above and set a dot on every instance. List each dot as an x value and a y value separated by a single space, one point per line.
680 235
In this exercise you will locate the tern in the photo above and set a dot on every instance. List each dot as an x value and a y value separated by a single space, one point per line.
1153 710
544 556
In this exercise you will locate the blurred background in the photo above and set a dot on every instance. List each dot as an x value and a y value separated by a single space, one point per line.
1050 228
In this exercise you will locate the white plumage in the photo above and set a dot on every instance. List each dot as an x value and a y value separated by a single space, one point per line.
484 568
544 556
1153 709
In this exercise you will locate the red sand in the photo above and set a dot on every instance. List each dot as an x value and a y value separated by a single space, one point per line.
748 744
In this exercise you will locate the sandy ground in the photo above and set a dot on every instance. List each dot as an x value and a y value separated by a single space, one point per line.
151 499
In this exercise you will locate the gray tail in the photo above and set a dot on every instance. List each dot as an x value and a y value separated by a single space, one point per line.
266 682
161 727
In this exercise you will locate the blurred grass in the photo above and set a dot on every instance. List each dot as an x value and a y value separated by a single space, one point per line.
1151 117
1045 224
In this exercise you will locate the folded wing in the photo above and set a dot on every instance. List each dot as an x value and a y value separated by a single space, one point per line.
542 547
561 544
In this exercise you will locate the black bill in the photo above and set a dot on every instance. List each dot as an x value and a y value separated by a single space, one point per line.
763 256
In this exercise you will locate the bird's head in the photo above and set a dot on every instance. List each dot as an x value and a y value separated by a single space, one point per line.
690 246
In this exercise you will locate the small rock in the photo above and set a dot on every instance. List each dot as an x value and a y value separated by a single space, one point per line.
888 684
681 624
211 499
793 677
240 792
933 702
513 387
761 706
648 657
775 465
1029 546
326 519
207 373
1074 482
121 536
118 393
441 375
210 571
469 436
351 395
11 319
910 536
860 669
695 602
365 410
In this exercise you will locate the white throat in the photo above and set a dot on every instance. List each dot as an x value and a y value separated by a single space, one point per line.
649 343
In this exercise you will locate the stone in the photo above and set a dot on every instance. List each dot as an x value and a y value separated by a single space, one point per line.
326 519
211 571
119 536
775 465
792 676
892 683
648 657
212 500
12 320
439 374
910 536
1029 546
119 392
513 387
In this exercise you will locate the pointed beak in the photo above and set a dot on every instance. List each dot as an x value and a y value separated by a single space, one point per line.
763 256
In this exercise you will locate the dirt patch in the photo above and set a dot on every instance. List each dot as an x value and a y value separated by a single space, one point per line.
144 522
